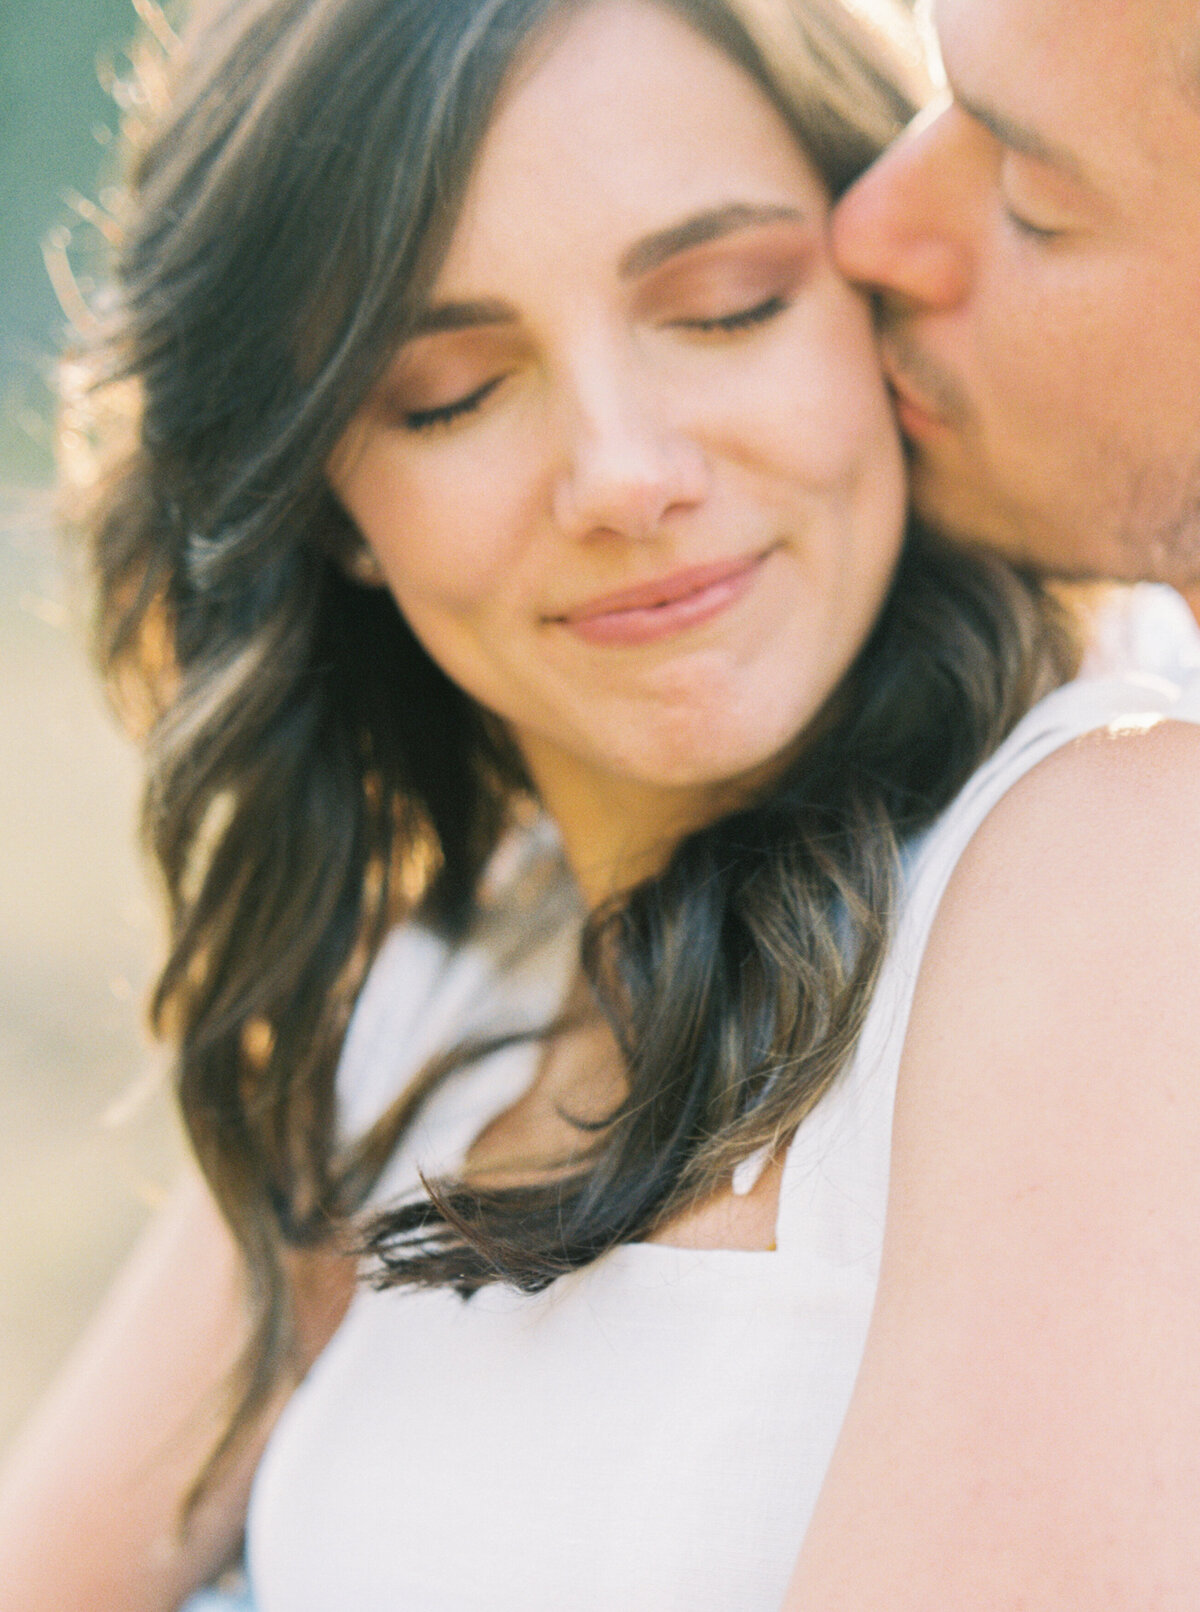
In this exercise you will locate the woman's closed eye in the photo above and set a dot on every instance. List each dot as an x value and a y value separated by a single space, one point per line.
759 313
444 414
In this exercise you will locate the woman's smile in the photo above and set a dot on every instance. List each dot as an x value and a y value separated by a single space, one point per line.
650 611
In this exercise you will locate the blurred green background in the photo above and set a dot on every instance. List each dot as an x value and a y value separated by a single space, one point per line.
86 1142
55 125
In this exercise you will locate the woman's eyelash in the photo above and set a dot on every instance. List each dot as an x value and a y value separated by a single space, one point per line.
743 319
447 413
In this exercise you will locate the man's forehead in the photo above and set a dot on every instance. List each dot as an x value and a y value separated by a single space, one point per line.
1029 60
1162 20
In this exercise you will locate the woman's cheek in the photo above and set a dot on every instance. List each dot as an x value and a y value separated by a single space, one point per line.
435 536
848 420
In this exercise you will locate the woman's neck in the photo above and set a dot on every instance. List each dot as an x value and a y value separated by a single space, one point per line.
617 831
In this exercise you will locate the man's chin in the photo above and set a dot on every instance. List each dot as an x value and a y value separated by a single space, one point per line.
969 522
950 506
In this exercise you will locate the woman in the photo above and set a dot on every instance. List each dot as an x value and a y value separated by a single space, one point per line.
509 454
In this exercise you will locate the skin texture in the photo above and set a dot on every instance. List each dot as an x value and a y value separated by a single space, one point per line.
620 434
1034 242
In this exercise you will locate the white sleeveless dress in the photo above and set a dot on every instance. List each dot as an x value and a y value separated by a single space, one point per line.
651 1433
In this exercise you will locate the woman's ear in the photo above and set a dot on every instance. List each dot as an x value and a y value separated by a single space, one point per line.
341 540
362 565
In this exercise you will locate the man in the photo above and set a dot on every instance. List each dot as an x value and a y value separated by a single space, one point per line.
1035 244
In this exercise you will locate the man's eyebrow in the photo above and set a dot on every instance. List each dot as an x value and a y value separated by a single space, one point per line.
1188 68
698 230
1020 137
461 316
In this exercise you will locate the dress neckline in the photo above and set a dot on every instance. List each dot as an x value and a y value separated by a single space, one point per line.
502 1078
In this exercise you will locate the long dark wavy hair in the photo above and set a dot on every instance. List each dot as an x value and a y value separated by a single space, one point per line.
313 777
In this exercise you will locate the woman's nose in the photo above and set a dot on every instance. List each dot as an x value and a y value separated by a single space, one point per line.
628 466
907 228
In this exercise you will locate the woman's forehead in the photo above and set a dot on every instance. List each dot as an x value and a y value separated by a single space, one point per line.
630 122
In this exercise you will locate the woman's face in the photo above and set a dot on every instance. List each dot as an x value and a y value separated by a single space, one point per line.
635 483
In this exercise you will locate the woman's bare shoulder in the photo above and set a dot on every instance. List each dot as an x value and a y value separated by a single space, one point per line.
1075 907
1122 802
1026 1427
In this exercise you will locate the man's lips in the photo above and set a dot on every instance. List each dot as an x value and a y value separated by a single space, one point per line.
913 411
657 609
925 399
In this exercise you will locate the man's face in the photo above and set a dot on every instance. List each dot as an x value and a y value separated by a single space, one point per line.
1035 241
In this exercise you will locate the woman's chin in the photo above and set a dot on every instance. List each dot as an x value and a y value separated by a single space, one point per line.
702 785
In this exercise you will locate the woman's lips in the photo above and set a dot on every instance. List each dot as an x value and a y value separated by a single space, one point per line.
661 608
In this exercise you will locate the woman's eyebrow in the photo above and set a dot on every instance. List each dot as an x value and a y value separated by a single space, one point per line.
698 230
462 316
642 256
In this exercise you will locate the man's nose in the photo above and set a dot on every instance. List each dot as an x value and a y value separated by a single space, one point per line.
628 463
907 228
